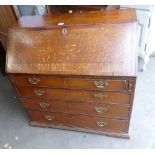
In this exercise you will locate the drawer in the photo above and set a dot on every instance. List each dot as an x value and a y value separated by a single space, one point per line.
72 83
75 95
102 110
96 123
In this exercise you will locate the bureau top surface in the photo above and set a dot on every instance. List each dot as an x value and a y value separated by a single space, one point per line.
83 18
94 43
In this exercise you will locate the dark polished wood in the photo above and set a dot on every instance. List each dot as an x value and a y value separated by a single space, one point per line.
2 59
7 19
79 75
75 95
96 123
72 107
69 83
77 19
60 126
59 9
110 52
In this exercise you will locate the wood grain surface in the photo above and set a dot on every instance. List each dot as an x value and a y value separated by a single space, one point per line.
104 50
75 95
113 125
76 71
72 83
72 107
78 19
7 19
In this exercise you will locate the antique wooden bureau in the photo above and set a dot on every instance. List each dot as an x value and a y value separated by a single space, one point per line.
76 71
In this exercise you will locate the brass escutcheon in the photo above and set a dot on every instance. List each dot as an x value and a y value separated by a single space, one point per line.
101 96
64 31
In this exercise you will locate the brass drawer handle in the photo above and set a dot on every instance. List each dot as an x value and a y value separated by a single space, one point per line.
101 123
101 84
101 96
33 80
39 92
12 78
44 104
49 117
101 110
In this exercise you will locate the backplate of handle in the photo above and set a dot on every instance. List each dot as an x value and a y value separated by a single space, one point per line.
100 109
33 80
101 84
39 92
44 104
49 117
101 123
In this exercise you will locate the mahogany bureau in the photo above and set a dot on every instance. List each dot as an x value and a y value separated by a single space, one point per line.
76 71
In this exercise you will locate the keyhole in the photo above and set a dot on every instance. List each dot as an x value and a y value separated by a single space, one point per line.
64 31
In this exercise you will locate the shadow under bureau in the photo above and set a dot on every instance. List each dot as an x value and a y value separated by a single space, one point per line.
76 71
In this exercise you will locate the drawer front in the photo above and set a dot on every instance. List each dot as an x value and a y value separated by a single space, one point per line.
74 95
96 123
75 83
101 110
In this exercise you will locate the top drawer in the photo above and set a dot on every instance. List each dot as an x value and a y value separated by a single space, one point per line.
75 83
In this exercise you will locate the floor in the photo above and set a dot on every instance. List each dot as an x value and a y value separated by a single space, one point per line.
16 132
